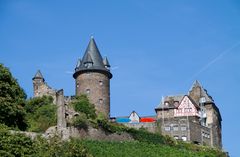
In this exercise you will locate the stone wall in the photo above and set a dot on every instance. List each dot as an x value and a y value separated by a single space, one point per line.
97 87
214 122
151 127
186 129
166 113
89 133
41 88
199 134
175 127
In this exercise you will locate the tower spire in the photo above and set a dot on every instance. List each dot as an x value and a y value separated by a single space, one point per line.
38 75
92 60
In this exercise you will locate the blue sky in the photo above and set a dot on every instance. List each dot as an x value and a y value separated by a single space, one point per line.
155 48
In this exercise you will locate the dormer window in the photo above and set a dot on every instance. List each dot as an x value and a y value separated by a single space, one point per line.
88 62
107 67
88 65
176 103
166 103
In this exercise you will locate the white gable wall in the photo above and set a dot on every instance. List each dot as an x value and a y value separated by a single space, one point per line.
134 117
186 108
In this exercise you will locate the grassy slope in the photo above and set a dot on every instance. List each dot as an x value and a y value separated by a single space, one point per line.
139 149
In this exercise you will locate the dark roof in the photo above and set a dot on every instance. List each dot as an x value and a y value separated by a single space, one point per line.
170 102
38 75
92 56
106 62
87 59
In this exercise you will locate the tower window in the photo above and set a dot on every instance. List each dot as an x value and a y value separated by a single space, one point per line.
77 84
183 128
167 128
87 91
100 83
88 65
175 128
100 101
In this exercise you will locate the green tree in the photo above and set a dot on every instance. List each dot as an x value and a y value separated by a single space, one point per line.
81 104
12 99
41 113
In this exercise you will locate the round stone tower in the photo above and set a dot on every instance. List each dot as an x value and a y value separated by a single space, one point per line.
92 76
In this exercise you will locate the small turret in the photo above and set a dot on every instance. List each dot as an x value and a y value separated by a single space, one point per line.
38 81
88 62
78 64
106 63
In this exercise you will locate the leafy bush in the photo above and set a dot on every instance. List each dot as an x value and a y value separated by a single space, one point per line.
18 145
81 104
80 121
15 144
111 127
34 103
57 148
41 113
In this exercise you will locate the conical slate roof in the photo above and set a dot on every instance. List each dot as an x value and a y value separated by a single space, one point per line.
88 59
92 57
106 62
38 75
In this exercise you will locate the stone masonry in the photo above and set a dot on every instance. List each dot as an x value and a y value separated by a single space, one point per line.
97 87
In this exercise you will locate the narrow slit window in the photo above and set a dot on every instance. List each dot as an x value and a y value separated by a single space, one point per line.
87 91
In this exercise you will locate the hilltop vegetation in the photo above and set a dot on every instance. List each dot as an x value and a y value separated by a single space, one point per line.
37 114
41 113
20 145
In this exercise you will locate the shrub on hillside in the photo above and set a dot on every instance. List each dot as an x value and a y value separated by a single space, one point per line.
41 113
18 145
81 104
80 121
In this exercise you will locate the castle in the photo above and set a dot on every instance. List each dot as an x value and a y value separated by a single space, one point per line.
193 117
